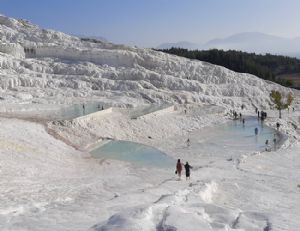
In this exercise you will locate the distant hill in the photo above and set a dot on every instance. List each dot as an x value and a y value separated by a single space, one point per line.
281 69
258 43
249 42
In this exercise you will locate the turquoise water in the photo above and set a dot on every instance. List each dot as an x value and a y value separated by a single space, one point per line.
133 152
233 138
228 140
77 110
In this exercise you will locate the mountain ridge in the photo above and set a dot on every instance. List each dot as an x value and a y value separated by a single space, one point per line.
255 42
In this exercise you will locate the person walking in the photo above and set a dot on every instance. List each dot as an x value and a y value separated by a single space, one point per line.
178 168
188 142
256 131
187 170
277 125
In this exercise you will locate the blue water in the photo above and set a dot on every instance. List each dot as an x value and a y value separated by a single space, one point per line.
224 141
233 138
133 152
77 110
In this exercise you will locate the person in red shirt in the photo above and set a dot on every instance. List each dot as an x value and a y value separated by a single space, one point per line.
178 168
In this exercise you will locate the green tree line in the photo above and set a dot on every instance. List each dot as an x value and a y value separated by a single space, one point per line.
264 66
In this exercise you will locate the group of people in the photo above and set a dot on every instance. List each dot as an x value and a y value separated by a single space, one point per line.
179 167
260 114
235 114
263 115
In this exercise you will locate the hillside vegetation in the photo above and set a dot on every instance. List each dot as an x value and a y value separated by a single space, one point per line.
264 66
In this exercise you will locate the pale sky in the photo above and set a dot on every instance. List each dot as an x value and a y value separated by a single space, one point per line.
148 23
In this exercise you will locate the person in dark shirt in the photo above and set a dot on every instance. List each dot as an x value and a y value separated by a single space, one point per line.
187 170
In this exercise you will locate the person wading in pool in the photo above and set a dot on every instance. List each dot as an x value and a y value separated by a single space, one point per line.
178 168
187 170
268 148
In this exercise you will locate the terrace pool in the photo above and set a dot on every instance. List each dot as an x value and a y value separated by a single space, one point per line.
233 138
134 153
77 110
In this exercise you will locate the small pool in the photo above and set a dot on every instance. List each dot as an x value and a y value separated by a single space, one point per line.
77 110
233 138
135 153
57 112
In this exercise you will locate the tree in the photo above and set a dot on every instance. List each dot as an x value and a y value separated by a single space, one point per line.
277 98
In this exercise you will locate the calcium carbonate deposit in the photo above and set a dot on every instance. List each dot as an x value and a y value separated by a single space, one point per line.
62 96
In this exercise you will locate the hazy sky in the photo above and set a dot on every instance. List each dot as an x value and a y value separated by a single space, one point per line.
151 22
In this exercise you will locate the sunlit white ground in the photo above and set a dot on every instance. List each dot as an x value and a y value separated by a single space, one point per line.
50 182
48 185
